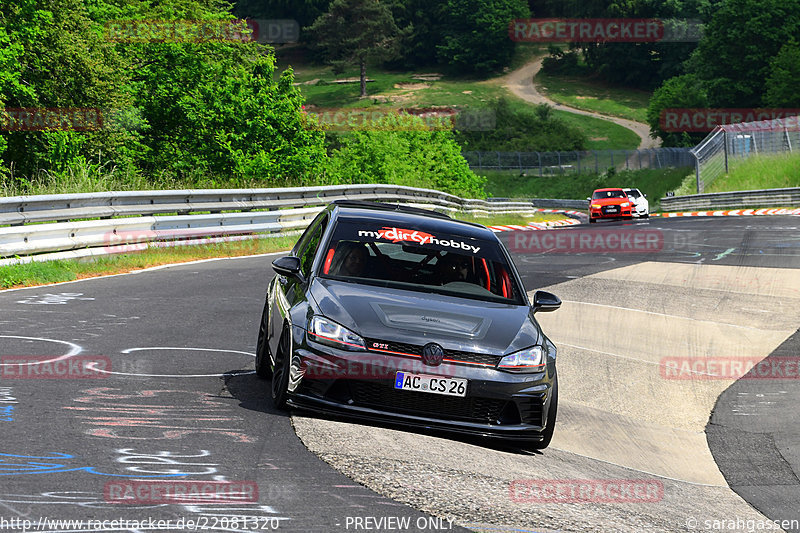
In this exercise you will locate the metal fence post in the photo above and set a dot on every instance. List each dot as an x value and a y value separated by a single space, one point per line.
697 172
725 148
539 155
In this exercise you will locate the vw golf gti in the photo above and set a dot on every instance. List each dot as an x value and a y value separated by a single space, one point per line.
398 314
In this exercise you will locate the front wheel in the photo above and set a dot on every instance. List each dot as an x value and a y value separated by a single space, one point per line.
263 362
280 373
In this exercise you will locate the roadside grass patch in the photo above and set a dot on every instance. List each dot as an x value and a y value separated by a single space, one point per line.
759 172
589 94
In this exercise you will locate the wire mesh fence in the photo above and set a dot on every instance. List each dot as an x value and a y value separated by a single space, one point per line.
730 143
579 162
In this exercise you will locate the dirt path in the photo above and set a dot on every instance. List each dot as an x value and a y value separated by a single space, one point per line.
520 82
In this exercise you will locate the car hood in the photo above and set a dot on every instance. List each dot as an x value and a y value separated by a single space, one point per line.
609 201
396 315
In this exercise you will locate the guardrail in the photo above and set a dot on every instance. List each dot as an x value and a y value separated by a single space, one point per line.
77 225
739 199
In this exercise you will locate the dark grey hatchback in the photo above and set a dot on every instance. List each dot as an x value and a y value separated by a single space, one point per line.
399 314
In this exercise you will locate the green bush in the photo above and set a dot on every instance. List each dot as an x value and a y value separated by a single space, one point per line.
402 151
523 130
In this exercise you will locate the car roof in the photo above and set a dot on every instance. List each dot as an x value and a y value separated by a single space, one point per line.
608 189
419 218
630 189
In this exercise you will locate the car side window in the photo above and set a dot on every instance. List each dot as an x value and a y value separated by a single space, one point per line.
308 249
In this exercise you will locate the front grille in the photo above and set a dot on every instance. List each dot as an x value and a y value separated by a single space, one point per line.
469 409
458 355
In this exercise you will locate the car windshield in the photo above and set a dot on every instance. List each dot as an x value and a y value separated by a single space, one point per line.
411 259
599 195
633 193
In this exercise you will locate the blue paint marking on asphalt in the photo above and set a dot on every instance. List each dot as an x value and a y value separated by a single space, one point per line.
6 413
36 467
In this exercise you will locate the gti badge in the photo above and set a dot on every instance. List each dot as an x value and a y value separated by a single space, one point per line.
432 354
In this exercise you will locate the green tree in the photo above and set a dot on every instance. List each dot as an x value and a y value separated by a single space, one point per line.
355 32
402 150
475 33
733 59
523 130
303 11
426 20
685 91
54 56
783 84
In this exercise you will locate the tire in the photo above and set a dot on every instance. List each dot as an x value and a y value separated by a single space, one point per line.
592 220
263 359
551 421
280 373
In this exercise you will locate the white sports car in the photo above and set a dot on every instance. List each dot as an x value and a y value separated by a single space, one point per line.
641 207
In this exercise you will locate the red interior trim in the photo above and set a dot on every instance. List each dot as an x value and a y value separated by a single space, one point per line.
506 281
328 259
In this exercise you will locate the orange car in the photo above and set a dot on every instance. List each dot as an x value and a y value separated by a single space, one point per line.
609 203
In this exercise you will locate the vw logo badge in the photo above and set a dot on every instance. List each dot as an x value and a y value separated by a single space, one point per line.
432 354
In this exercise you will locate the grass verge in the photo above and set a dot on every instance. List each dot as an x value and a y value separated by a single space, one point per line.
583 92
760 172
43 273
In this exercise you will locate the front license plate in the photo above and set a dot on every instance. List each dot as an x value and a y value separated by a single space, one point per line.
611 209
432 384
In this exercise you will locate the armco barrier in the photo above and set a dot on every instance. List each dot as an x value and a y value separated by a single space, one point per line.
733 200
56 226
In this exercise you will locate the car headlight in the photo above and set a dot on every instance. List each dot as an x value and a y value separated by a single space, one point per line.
625 204
595 206
527 360
328 332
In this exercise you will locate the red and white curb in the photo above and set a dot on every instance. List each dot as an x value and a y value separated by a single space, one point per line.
732 213
536 225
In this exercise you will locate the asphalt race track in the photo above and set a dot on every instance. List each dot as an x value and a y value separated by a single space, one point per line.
169 395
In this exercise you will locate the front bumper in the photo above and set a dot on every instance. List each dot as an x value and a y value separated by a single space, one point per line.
498 404
603 212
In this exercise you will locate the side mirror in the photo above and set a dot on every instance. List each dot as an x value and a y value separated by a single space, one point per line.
588 199
545 301
288 266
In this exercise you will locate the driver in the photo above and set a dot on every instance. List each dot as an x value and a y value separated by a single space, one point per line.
454 267
350 259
